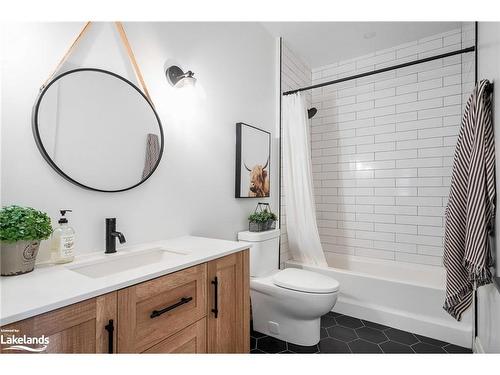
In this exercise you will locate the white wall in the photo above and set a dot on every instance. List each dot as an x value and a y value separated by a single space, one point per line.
192 191
295 73
489 296
382 149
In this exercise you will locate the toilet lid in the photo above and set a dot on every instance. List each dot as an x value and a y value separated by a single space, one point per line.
305 281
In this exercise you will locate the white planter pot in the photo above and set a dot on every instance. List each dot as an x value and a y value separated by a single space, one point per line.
18 257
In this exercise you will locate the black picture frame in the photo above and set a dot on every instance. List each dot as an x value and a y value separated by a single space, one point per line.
240 163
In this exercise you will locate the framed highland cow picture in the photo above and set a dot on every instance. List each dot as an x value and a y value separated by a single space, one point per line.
253 158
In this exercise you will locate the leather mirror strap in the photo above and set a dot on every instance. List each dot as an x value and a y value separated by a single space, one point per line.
128 48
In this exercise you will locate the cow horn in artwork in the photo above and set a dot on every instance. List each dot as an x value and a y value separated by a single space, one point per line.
267 162
248 169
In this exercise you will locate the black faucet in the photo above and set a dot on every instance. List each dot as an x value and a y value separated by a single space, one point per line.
111 235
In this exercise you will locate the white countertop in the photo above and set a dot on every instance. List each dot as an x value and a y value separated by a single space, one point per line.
50 287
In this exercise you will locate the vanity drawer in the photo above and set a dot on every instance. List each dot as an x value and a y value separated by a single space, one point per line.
150 312
191 340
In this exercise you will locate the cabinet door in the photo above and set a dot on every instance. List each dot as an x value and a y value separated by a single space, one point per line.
79 328
229 304
152 311
191 340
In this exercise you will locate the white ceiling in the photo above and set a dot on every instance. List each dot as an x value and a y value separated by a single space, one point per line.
323 43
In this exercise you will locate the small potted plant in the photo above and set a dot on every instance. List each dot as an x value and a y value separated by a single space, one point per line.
262 218
21 231
272 218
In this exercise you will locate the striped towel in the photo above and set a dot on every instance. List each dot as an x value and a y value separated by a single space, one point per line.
152 154
471 206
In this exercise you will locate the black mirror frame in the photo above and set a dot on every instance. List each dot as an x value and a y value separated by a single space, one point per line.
41 148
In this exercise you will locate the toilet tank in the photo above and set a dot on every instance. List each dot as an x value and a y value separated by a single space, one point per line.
264 253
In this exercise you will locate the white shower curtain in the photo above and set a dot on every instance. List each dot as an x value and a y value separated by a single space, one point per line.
302 230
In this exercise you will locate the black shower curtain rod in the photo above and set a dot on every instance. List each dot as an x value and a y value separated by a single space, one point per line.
448 54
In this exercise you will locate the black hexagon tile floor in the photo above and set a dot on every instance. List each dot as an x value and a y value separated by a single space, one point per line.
346 334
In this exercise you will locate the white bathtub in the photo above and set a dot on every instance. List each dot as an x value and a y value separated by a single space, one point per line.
401 295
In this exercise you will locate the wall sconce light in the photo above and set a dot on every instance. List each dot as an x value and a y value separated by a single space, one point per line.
177 78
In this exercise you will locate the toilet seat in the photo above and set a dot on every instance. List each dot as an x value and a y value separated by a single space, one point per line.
305 281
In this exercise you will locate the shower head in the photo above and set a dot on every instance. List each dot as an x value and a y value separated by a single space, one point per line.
311 112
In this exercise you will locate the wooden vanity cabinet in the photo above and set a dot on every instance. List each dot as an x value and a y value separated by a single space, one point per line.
204 308
190 340
229 304
85 327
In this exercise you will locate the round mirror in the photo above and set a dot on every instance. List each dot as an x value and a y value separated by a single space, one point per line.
98 130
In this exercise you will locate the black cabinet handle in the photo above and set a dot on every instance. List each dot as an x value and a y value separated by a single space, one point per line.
215 283
182 301
110 327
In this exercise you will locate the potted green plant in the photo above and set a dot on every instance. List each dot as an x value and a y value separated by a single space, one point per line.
272 218
21 231
262 218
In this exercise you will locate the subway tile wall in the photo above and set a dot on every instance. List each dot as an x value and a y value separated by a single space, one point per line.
294 74
383 145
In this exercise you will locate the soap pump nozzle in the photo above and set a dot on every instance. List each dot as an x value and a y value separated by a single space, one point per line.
63 220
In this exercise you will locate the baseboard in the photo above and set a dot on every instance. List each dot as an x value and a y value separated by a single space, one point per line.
406 321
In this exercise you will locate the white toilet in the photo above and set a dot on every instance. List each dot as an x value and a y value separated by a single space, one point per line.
286 304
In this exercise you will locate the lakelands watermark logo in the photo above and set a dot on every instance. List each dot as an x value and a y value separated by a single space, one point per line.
17 342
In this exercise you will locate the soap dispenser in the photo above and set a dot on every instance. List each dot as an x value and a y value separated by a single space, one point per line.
63 241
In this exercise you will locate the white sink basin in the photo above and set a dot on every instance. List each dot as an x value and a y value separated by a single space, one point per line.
120 262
